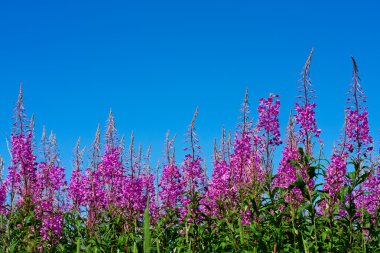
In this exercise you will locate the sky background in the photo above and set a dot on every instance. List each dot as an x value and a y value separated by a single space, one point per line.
153 62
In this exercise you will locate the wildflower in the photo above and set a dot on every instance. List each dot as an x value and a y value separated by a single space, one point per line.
193 177
357 127
170 186
305 116
268 128
22 172
335 174
76 191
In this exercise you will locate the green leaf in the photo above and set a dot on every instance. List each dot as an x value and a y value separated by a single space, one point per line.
146 228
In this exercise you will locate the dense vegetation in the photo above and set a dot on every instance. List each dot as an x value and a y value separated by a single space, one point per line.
115 201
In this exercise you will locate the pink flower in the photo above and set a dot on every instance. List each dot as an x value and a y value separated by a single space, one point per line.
335 174
171 187
268 124
305 116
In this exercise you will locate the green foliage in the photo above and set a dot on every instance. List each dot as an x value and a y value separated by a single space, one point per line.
147 235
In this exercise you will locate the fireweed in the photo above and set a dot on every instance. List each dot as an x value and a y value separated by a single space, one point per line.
171 187
299 143
115 202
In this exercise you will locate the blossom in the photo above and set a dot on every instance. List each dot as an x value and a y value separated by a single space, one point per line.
371 197
305 117
336 171
76 191
286 172
335 179
357 126
22 171
193 177
219 186
170 185
357 131
3 195
305 114
268 131
49 192
268 123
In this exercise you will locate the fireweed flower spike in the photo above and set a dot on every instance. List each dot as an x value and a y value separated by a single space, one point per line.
133 189
218 188
371 200
149 189
193 176
111 170
268 130
359 143
76 192
170 184
242 150
359 140
192 169
286 172
22 172
3 192
245 164
91 181
305 116
307 129
49 193
335 179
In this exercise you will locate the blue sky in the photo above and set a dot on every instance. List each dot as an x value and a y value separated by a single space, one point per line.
153 62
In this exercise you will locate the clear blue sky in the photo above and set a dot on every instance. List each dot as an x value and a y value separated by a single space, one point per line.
153 62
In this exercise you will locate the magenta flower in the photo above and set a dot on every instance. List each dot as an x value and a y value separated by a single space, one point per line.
193 177
218 189
244 163
268 131
305 115
76 191
357 131
244 168
335 180
171 187
111 176
371 188
268 124
357 127
360 144
49 193
22 172
150 191
336 171
287 173
3 195
219 186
